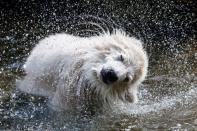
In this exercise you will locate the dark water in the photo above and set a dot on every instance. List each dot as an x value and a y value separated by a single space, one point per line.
168 96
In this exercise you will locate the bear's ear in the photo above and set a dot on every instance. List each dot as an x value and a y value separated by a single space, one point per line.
133 41
130 97
137 42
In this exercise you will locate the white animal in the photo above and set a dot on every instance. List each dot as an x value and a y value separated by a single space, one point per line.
86 71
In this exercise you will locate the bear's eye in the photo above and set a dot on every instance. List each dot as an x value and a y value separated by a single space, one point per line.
121 58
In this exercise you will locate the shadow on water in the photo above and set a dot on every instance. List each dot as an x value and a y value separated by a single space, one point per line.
168 96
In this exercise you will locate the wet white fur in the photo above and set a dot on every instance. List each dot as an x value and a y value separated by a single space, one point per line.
51 68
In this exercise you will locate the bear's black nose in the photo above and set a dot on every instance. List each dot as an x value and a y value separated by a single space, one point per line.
108 76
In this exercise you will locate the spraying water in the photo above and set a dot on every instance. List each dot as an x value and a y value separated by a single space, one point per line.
168 95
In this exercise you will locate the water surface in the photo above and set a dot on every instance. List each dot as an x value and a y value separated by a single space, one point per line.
168 96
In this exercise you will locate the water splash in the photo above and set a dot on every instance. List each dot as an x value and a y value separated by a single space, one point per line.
167 27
